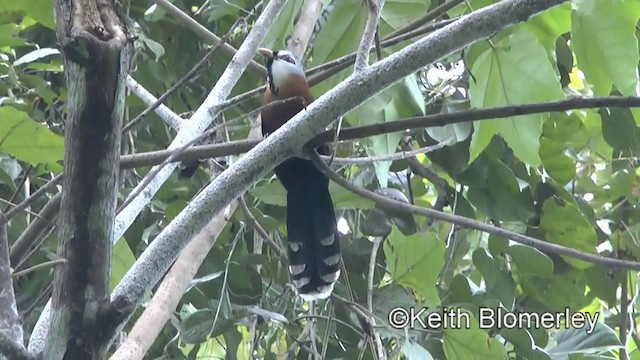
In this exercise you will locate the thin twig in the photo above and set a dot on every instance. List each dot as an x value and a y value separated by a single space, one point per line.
251 220
429 16
291 352
175 153
44 221
171 118
27 172
393 205
312 330
8 203
368 35
207 35
31 199
624 315
37 267
419 122
390 157
190 74
372 266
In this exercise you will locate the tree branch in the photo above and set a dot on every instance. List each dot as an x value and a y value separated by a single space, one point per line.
205 114
10 325
418 122
304 27
372 320
429 16
180 83
284 142
368 35
207 35
251 220
97 51
31 199
153 104
44 222
175 284
295 133
14 350
392 205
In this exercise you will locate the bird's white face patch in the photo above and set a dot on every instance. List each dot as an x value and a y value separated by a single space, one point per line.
285 64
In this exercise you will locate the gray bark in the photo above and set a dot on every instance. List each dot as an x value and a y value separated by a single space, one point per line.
97 50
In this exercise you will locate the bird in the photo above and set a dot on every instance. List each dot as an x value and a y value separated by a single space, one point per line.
312 233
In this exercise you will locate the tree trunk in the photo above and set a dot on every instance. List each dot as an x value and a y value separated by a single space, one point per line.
96 47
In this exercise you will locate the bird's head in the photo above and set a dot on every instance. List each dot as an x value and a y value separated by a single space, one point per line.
283 67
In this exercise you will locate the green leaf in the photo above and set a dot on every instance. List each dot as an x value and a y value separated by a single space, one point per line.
339 36
415 261
619 130
399 13
566 289
156 48
471 343
39 10
245 284
282 25
577 341
345 199
498 281
565 225
531 261
398 101
121 260
29 141
197 326
341 33
604 41
8 35
35 55
271 193
550 24
558 165
524 343
567 130
414 351
494 190
503 76
603 282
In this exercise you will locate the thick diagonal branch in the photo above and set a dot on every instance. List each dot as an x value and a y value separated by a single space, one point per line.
293 135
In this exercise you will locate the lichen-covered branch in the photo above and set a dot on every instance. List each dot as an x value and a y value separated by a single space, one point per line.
97 49
10 325
293 135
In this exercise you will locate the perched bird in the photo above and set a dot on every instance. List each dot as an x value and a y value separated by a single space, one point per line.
313 241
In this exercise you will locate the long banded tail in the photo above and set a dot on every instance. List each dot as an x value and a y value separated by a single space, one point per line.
313 240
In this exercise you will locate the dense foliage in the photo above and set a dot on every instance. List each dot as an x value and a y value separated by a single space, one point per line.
569 178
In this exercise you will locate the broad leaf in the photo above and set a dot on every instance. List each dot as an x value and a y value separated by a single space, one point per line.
471 343
604 41
565 225
398 101
415 261
503 76
29 141
577 341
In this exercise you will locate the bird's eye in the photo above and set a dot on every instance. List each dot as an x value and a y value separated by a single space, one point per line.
288 59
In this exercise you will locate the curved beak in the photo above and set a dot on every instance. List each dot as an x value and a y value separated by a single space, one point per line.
265 52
